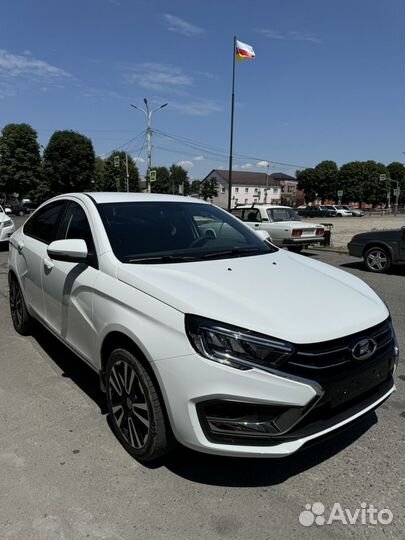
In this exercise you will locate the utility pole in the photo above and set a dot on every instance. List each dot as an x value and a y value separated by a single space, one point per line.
148 114
127 170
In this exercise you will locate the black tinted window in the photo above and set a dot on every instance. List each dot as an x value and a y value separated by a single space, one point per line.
43 224
75 225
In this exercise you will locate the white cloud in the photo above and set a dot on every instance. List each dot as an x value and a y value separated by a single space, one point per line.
138 159
155 76
202 107
247 166
176 24
198 158
16 65
185 164
289 36
262 164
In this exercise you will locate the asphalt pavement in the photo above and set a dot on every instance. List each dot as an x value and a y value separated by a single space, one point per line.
63 475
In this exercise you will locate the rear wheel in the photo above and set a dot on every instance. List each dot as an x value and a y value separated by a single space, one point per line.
377 259
135 408
22 320
295 249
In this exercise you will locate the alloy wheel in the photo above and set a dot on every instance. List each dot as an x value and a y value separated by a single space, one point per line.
16 303
377 260
129 406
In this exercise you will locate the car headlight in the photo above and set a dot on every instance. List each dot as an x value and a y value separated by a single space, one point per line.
234 347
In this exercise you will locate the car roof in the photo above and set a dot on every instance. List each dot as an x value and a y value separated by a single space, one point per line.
244 206
100 197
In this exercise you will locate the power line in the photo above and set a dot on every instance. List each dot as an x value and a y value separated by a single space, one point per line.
219 152
124 144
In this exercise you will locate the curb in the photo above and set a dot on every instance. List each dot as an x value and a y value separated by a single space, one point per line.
330 249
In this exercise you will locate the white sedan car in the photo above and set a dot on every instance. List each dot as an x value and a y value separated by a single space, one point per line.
192 322
283 225
6 227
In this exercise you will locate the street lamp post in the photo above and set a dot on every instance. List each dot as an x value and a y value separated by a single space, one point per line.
148 114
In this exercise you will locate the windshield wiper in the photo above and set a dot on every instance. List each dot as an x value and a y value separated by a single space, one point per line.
235 252
161 259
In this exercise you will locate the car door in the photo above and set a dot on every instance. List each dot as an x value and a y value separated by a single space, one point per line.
402 245
251 216
68 286
38 232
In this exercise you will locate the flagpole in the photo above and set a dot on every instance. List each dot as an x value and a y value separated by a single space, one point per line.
231 140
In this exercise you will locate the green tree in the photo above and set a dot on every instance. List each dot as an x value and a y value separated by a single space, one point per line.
163 182
179 177
360 182
209 189
99 172
397 172
327 179
19 159
195 187
68 163
308 182
114 174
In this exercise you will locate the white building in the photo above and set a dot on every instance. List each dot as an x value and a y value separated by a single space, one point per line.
247 187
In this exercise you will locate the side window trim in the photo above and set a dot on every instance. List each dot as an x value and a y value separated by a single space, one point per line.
57 224
93 259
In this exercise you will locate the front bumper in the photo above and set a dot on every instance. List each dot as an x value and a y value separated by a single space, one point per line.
355 250
303 409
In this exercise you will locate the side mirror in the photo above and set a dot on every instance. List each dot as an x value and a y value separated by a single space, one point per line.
264 235
72 250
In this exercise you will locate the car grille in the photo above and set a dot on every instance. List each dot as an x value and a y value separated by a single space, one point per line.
332 354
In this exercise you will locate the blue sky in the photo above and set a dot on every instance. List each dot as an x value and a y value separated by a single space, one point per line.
327 81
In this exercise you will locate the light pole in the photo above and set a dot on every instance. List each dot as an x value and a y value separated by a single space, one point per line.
148 114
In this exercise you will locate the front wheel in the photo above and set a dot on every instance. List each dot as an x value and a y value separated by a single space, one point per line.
22 320
377 259
295 249
135 408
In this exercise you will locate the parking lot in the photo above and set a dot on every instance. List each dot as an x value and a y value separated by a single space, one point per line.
64 475
344 228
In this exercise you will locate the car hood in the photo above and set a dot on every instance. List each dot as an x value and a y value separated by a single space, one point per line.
280 294
378 235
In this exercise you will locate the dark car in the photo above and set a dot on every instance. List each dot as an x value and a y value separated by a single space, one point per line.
19 208
316 211
379 249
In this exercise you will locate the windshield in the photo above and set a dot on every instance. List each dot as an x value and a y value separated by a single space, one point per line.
282 214
164 232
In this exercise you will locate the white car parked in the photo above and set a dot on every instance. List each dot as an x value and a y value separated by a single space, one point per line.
341 211
283 224
7 227
191 321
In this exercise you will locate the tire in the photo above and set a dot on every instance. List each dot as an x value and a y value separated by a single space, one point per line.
137 415
295 249
377 259
22 320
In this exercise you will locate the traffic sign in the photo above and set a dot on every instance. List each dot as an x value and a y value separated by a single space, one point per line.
383 177
152 176
340 193
397 191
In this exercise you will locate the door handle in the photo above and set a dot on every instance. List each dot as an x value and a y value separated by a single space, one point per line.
48 263
257 224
